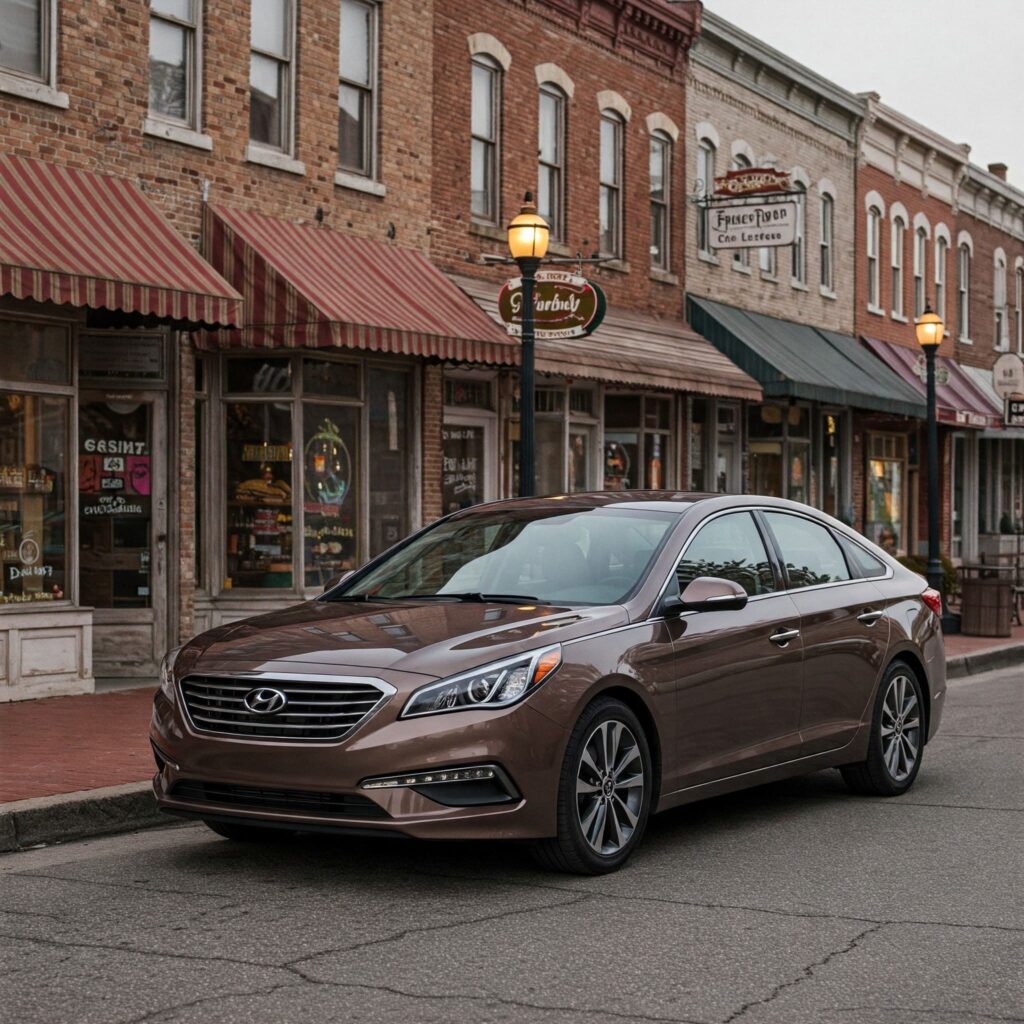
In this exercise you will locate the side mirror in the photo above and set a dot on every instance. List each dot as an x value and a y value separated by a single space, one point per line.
706 594
335 580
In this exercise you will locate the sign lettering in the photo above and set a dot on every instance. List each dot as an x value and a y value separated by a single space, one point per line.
565 305
739 226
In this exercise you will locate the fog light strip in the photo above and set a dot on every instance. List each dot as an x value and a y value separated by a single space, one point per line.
479 773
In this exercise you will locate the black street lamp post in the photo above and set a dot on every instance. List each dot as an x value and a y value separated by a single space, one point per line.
527 242
929 328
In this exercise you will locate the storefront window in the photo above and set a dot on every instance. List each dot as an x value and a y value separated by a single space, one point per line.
780 451
726 452
885 491
464 451
697 434
33 493
258 376
831 463
391 445
34 353
259 493
115 512
637 441
331 470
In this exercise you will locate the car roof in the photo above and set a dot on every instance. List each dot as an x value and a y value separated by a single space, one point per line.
667 501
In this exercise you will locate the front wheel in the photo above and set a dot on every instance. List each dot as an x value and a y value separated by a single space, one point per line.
604 793
897 737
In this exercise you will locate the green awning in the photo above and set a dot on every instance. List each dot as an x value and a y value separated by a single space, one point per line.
791 360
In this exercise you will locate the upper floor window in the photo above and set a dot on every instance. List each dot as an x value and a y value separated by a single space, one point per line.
1001 338
899 230
963 288
661 190
174 59
486 106
827 231
706 178
941 247
920 256
25 37
611 183
799 247
873 239
740 257
357 78
551 159
271 73
1019 308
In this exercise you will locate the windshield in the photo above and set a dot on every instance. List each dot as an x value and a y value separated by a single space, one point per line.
591 556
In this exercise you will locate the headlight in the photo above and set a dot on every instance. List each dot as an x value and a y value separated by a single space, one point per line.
493 686
167 673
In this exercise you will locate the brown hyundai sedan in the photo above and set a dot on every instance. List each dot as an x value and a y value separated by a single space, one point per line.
555 670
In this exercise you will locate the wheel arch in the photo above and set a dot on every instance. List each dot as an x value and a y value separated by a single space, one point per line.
914 663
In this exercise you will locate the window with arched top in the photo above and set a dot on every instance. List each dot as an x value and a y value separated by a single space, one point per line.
941 248
874 238
660 184
799 247
485 117
551 158
1001 338
827 244
963 292
706 184
920 258
899 234
610 213
1018 306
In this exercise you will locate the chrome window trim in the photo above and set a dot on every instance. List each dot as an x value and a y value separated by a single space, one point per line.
653 616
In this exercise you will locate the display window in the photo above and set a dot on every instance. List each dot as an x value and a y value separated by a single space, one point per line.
886 491
637 442
779 451
468 449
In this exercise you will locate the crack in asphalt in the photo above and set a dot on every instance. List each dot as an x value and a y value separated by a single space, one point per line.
927 1011
806 973
152 1015
29 913
951 807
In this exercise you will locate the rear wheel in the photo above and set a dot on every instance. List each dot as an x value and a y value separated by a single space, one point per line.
246 833
604 793
897 737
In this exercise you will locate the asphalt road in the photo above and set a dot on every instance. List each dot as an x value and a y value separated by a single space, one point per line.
793 903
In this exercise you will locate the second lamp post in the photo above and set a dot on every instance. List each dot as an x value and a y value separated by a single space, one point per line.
528 235
929 329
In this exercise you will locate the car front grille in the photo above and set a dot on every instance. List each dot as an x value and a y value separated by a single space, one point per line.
293 801
316 711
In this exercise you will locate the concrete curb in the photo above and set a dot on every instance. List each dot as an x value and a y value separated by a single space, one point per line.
984 661
70 816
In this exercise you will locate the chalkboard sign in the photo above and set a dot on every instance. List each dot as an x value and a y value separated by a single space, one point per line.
462 479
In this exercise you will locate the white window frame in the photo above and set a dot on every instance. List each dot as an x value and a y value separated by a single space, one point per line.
798 262
664 142
1000 311
41 88
872 248
896 257
370 171
827 272
492 144
920 264
963 290
615 188
741 257
941 255
289 60
707 151
1018 277
557 168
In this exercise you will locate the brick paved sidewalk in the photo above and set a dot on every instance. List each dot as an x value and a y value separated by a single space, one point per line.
69 744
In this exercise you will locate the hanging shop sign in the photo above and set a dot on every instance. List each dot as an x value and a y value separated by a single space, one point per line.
740 226
565 305
1008 375
752 181
1014 413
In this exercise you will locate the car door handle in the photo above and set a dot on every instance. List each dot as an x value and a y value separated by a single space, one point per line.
869 618
782 638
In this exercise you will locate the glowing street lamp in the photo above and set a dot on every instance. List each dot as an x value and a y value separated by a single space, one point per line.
930 329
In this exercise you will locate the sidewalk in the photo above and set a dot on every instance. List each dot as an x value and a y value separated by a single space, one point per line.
72 767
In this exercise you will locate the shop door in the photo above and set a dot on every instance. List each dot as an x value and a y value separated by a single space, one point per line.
468 476
122 529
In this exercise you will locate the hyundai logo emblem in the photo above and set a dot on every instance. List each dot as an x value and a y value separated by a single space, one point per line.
264 700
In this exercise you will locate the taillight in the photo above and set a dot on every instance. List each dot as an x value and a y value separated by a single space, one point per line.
933 599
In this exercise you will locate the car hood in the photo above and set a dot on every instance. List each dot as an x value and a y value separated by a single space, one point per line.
428 638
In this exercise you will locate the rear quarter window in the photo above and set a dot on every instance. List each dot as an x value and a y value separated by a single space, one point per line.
864 564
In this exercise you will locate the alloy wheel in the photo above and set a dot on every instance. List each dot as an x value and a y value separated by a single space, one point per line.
609 787
900 728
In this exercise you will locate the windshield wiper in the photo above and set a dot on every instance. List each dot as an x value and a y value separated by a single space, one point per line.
471 596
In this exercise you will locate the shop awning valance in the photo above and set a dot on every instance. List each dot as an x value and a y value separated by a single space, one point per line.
84 239
308 286
958 400
792 360
634 350
982 379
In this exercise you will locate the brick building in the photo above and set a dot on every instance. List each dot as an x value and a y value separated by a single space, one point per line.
583 104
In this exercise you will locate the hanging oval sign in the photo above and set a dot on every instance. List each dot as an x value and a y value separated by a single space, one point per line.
565 305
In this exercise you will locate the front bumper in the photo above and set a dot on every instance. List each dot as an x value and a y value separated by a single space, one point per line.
526 745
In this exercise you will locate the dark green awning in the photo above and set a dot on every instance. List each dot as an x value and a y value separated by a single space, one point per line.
791 360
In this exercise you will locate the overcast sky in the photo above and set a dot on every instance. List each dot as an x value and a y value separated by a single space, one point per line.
953 66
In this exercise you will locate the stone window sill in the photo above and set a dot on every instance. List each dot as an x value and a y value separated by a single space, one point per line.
827 293
770 278
272 158
664 276
876 310
740 268
40 92
359 183
491 231
899 318
707 257
177 133
965 341
800 286
620 266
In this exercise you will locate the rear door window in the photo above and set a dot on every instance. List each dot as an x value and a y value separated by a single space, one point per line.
809 552
729 547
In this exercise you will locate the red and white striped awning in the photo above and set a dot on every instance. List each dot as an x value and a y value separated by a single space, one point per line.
308 286
84 239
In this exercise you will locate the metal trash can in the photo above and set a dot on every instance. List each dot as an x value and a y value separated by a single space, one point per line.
986 606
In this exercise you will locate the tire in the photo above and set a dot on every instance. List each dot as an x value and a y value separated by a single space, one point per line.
601 814
246 833
897 737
